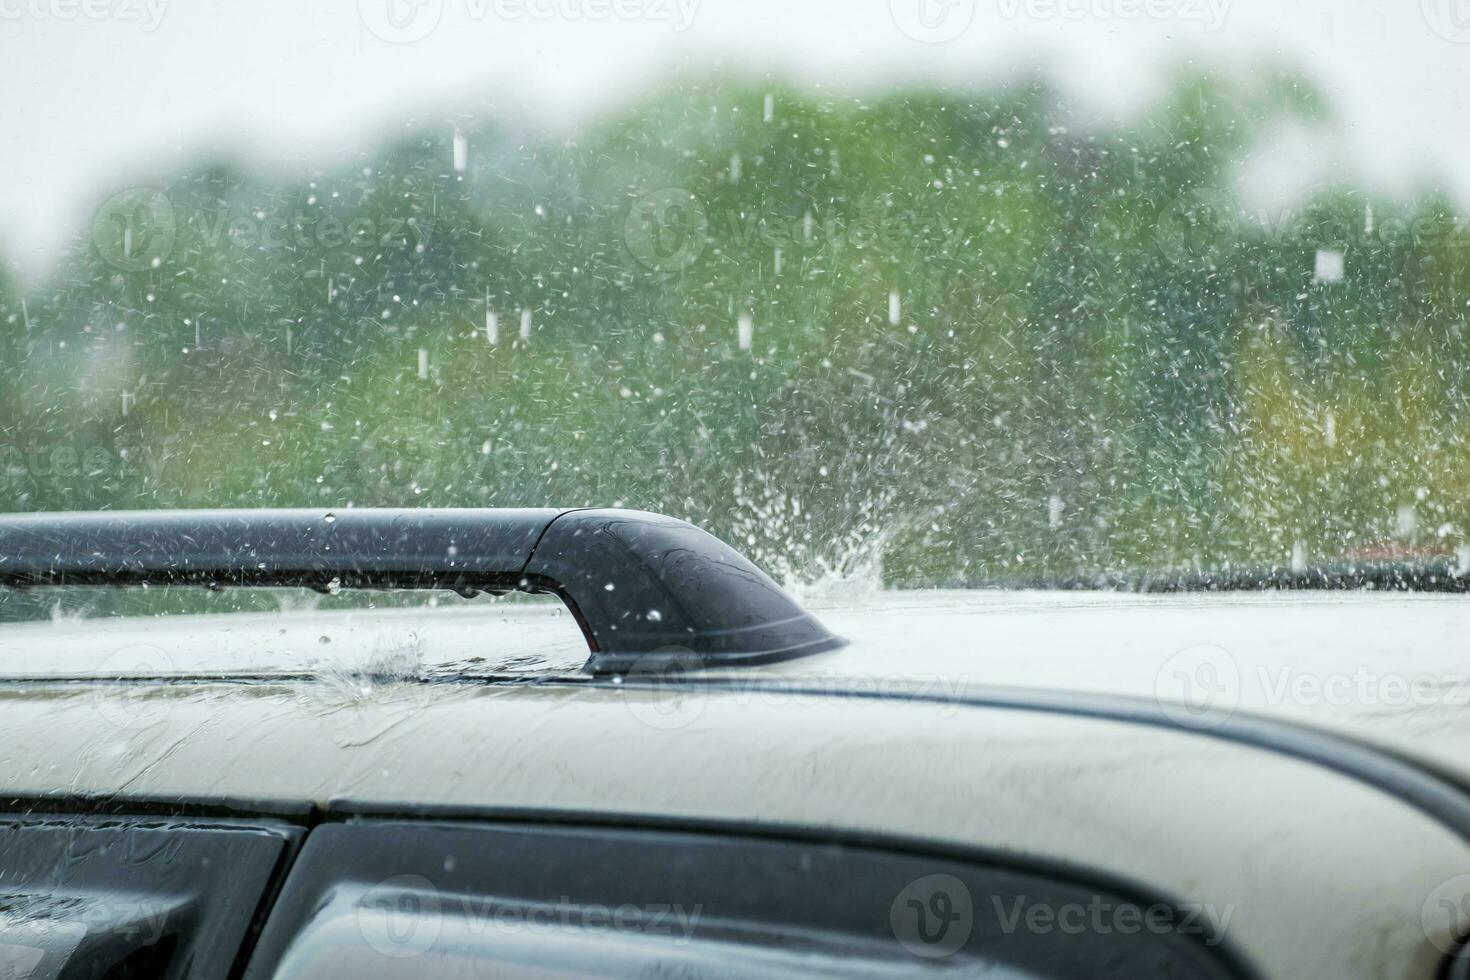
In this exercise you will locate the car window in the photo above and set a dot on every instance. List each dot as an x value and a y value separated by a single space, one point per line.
98 898
390 900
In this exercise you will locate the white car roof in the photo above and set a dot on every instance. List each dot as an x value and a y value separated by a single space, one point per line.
1387 668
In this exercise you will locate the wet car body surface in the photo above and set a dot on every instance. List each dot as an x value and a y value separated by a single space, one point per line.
1013 784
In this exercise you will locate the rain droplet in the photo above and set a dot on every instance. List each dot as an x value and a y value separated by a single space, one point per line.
461 152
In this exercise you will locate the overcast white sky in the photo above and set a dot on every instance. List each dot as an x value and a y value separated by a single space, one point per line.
98 92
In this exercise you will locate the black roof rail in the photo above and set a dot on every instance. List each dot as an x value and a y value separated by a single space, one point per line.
647 590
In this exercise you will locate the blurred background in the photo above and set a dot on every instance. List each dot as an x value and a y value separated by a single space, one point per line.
915 292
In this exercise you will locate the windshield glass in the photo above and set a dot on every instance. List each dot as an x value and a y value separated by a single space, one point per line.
901 291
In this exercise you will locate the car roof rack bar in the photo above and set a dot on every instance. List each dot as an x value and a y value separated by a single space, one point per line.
649 592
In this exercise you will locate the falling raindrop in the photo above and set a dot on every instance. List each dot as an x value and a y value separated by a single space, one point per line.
1328 266
461 152
1406 520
